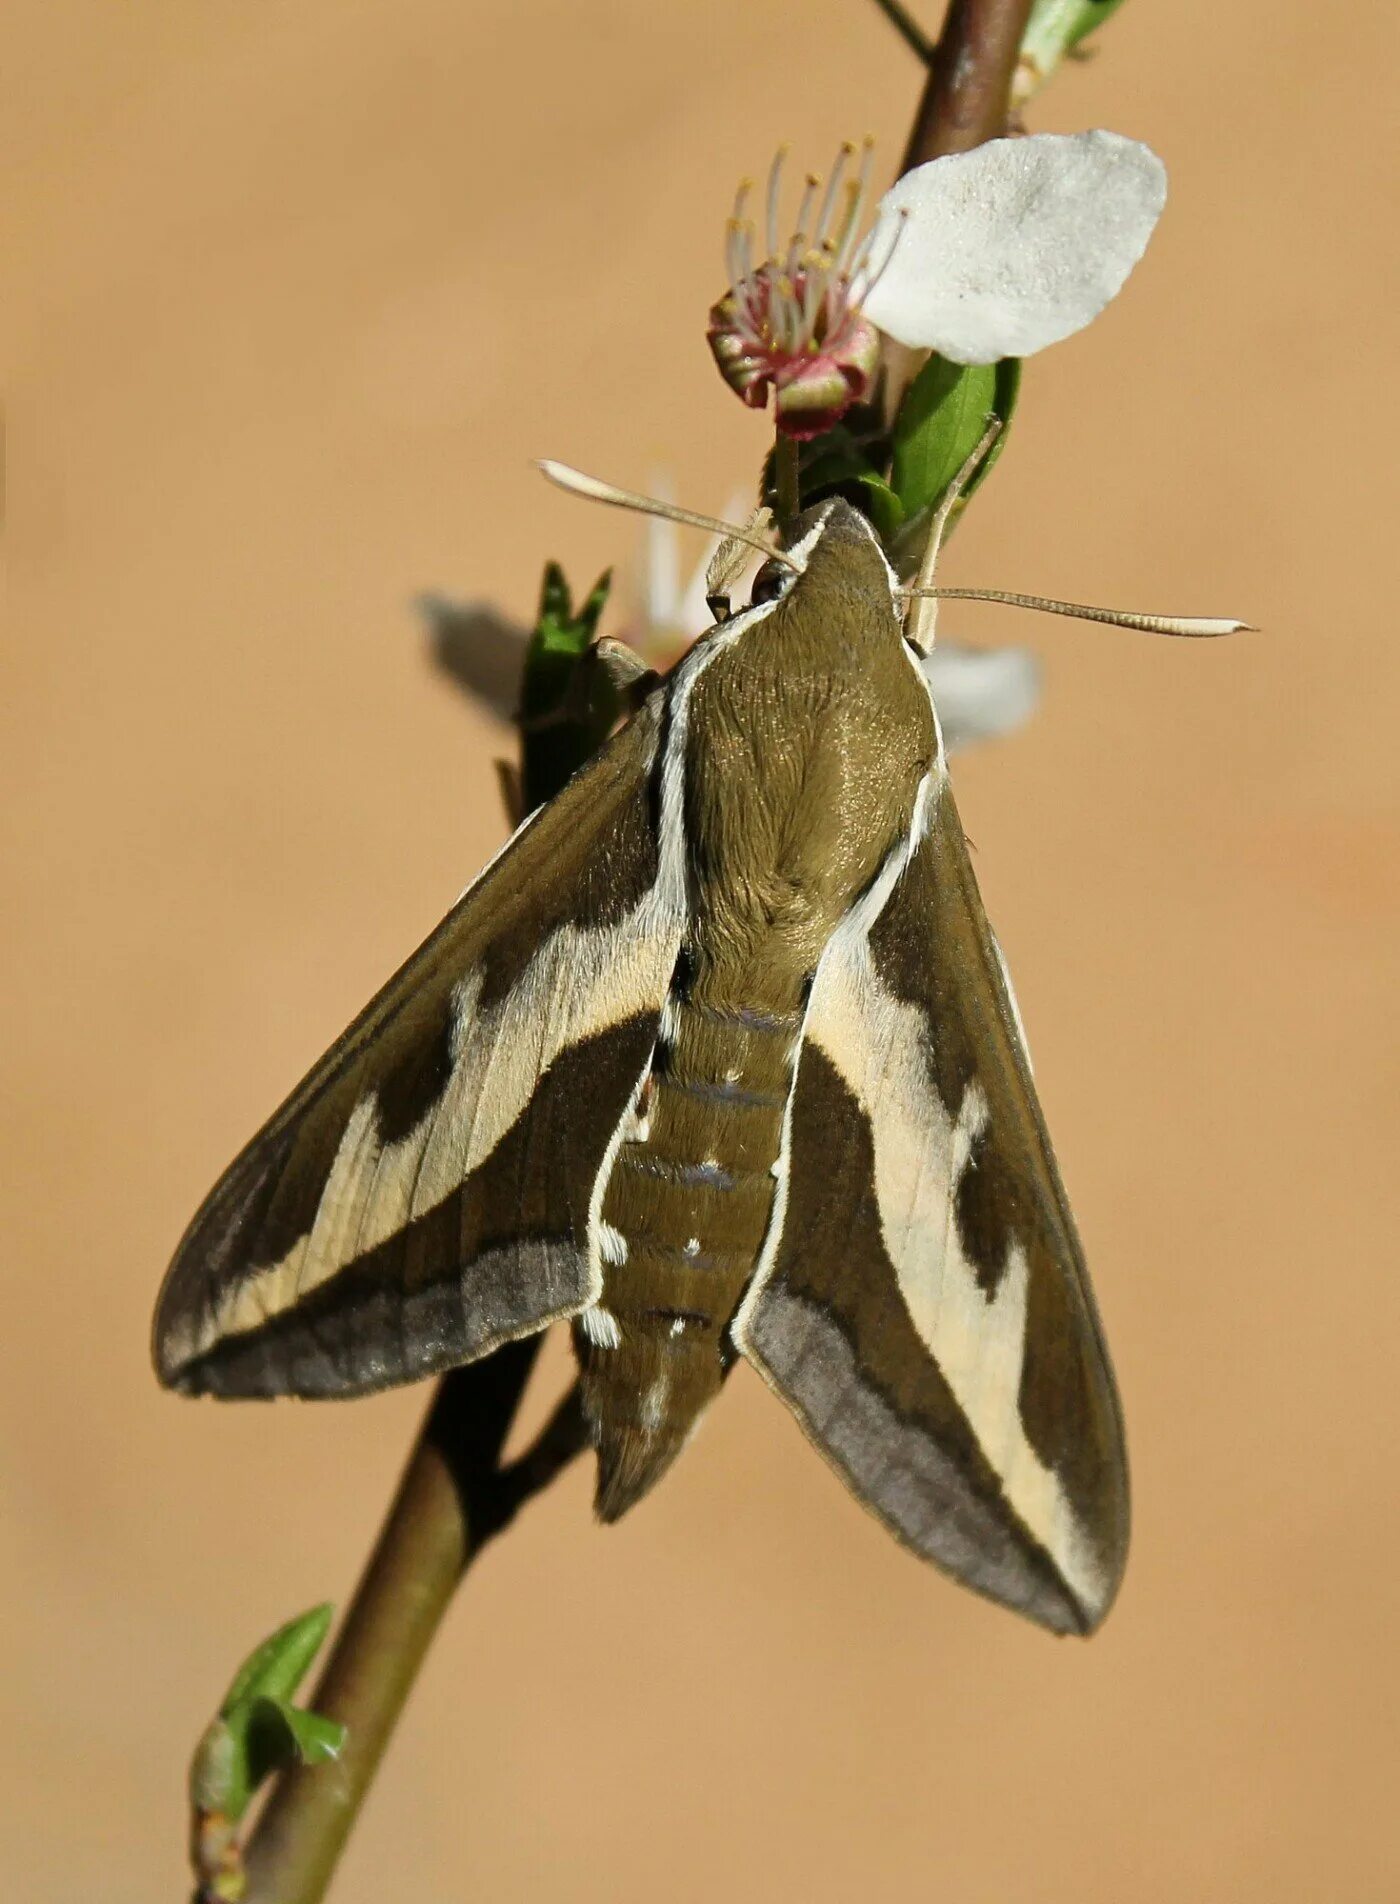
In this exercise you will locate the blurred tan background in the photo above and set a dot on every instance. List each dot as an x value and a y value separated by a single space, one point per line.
293 294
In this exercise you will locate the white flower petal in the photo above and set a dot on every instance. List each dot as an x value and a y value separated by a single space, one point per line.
693 615
981 693
663 561
1015 245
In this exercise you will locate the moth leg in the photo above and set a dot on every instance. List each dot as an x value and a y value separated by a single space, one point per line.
625 670
511 790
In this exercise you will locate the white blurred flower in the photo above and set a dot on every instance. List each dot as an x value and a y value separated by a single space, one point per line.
981 693
671 609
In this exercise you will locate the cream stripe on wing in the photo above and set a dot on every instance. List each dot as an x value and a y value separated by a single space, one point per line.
876 1043
341 1211
580 983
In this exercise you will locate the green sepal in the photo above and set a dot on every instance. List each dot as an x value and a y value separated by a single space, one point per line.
843 463
1055 28
942 419
835 458
258 1729
566 710
873 496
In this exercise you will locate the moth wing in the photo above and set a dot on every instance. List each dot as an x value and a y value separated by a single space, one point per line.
922 1303
424 1194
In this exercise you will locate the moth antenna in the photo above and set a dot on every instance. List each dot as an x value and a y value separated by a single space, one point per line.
1192 625
592 487
923 623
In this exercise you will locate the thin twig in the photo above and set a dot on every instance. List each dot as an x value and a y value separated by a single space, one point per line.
453 1499
786 479
908 28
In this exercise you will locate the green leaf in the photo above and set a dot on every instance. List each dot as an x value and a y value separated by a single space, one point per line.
942 419
875 499
258 1729
558 641
281 1734
840 463
1055 29
275 1669
565 713
835 458
314 1737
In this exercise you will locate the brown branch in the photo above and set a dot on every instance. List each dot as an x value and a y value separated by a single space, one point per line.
968 90
454 1497
966 101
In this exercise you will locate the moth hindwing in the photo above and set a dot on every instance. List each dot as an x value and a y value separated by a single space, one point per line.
717 1057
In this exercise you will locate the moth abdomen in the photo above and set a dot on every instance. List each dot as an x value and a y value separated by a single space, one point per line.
684 1212
642 1400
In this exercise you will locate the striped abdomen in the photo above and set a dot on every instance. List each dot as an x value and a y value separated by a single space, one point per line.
790 771
684 1212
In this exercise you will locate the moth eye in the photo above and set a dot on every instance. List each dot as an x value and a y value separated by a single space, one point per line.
773 580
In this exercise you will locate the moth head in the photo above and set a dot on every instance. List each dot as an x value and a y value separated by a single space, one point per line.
831 554
830 545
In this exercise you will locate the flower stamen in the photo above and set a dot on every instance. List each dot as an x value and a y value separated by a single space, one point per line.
733 250
868 278
793 323
813 296
775 184
854 205
843 159
798 242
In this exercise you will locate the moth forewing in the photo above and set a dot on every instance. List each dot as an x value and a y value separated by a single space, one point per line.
422 1195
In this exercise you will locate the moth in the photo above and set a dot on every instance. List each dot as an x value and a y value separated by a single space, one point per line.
717 1058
